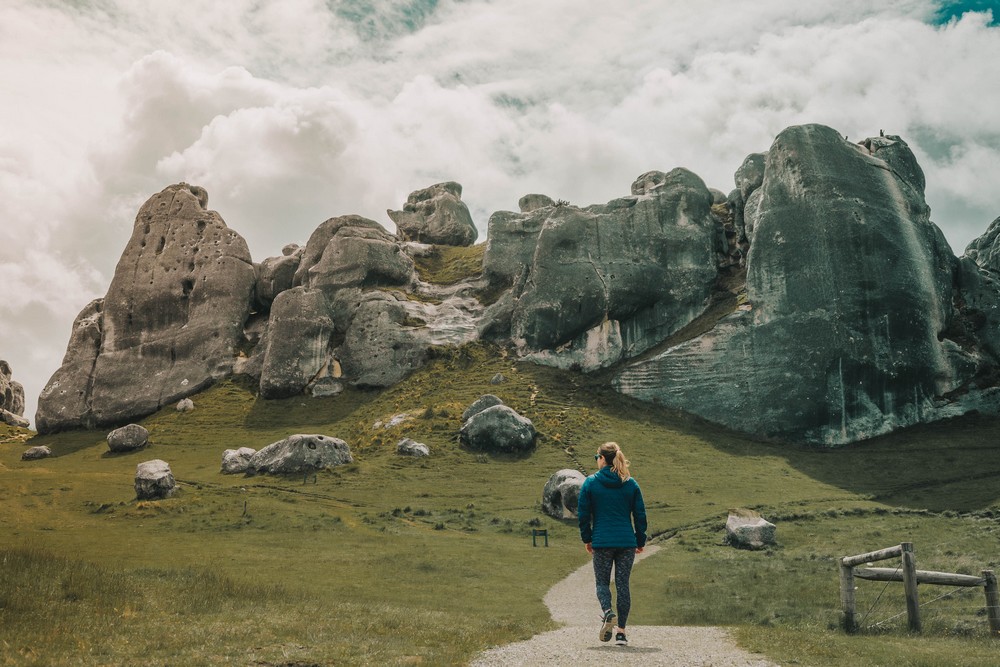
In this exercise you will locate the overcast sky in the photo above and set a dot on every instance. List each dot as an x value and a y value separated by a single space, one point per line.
292 112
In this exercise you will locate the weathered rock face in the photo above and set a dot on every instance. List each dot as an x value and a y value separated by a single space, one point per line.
35 453
409 447
154 480
276 274
298 454
480 404
608 281
436 215
746 529
498 429
169 324
561 493
236 460
850 292
298 343
128 438
11 398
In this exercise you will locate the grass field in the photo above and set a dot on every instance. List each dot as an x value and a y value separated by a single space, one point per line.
398 561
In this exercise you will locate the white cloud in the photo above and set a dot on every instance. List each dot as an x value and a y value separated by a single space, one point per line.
289 113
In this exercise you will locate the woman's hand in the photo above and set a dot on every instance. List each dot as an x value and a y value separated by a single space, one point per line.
590 549
638 550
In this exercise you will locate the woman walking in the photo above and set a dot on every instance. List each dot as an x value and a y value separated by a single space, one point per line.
613 528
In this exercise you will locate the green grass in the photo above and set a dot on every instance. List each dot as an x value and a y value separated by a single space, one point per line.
430 561
446 265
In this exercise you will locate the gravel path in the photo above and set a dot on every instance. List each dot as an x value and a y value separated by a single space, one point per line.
573 603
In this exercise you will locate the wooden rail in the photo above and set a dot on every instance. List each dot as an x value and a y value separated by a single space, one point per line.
908 573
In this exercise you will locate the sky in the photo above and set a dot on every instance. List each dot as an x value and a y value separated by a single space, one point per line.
289 113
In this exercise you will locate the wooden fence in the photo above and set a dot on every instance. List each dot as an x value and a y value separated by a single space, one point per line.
908 573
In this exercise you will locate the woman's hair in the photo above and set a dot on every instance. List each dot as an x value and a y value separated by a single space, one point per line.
615 457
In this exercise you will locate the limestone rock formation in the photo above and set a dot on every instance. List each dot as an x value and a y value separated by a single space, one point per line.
747 529
236 460
154 480
169 324
609 281
11 398
127 438
561 493
298 454
185 405
480 404
297 347
409 447
276 274
436 215
849 290
35 453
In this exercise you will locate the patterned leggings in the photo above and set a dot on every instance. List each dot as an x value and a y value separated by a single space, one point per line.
622 559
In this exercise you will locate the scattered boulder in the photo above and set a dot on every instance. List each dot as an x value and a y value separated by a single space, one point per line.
480 404
169 325
154 480
499 378
236 460
128 438
436 215
561 493
747 529
300 453
408 447
498 429
185 405
38 452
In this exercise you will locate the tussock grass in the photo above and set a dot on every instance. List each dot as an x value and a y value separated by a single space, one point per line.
392 560
446 265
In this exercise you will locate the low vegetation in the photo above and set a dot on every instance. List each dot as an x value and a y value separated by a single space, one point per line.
393 560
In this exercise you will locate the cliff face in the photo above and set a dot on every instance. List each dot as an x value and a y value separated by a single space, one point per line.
830 307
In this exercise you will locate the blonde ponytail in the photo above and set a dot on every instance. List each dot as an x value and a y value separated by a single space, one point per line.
615 457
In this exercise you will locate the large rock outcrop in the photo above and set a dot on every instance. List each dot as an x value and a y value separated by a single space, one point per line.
849 290
11 398
436 215
608 281
169 324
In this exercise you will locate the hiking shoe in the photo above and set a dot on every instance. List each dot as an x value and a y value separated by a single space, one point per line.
621 639
608 621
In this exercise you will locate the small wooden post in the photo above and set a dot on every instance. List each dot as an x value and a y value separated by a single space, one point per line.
535 532
848 621
910 585
992 603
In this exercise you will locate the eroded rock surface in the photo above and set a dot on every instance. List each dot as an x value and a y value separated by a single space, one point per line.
299 454
154 480
11 398
562 493
436 215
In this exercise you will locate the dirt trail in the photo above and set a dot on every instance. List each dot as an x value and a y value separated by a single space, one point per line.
572 602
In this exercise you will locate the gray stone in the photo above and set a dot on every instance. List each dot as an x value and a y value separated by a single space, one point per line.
276 274
849 286
236 461
300 453
384 343
750 174
746 529
718 197
11 392
498 429
185 405
34 453
561 493
154 480
393 421
297 347
324 387
610 281
11 419
529 203
436 215
480 404
499 378
169 325
985 251
408 447
128 438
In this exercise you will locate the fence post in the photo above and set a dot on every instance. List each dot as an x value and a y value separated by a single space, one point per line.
848 620
910 585
992 603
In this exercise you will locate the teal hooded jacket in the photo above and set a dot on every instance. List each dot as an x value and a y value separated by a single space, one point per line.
611 512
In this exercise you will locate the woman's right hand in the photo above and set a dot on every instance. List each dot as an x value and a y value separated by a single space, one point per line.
590 549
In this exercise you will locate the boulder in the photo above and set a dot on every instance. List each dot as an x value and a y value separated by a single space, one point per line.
408 447
746 529
436 215
236 460
750 175
185 405
297 348
529 203
11 392
128 438
561 493
38 452
276 274
849 300
153 480
498 429
480 404
169 325
299 454
11 419
607 281
384 342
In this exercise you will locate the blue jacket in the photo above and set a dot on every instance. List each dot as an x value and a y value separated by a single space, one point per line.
606 510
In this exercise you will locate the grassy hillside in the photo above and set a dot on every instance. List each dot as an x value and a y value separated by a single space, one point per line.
397 561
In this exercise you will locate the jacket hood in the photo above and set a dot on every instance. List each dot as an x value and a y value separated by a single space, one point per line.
608 477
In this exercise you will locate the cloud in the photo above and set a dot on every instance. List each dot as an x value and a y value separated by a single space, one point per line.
295 112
